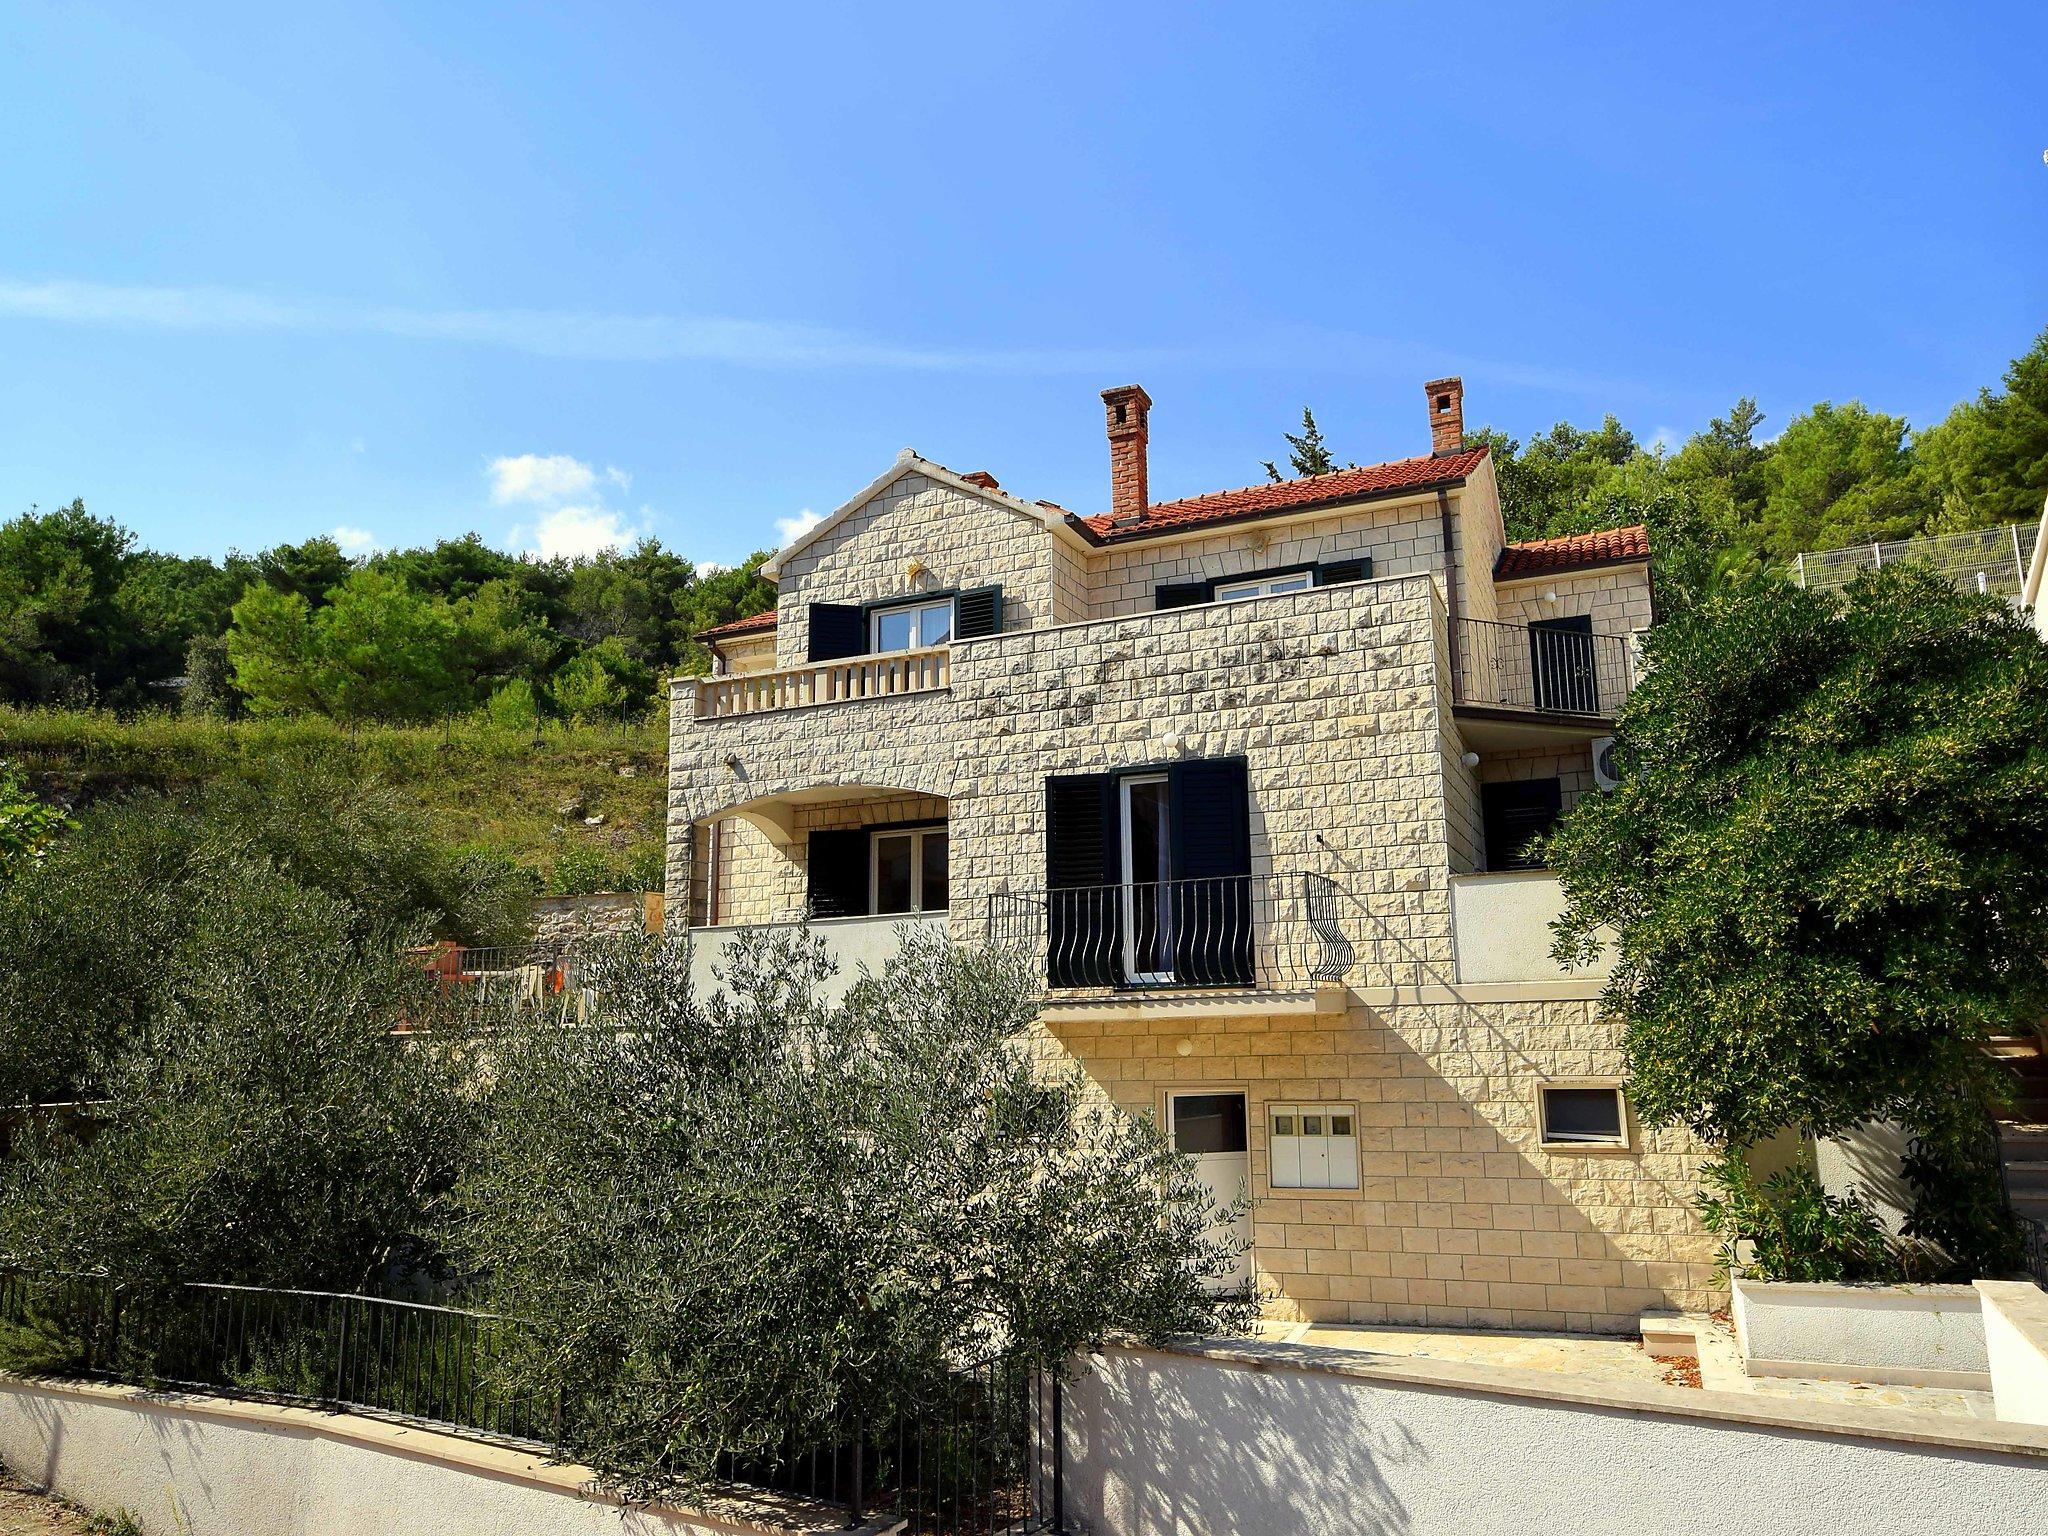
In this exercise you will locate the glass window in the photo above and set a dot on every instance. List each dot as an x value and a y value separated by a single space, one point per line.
1265 586
932 873
1208 1122
910 626
909 871
1313 1146
1592 1117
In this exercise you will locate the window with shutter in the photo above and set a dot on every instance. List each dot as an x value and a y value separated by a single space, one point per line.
1081 880
837 629
1516 813
1212 867
837 873
1333 573
978 612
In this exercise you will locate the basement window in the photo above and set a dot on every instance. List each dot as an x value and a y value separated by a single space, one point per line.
1575 1116
1313 1146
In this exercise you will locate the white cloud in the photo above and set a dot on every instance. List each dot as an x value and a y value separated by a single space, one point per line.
1667 440
790 529
765 344
618 477
568 532
539 478
356 541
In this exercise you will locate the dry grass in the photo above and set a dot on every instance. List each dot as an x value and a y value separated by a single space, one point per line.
508 790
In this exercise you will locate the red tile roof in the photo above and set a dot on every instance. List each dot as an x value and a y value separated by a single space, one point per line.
1610 546
1293 495
753 624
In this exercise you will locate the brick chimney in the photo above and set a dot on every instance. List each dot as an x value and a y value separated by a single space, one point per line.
1128 409
1446 415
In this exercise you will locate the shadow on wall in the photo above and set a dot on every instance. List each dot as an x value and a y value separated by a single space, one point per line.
1144 1456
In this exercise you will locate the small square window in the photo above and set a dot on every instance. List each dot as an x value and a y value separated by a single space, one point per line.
1313 1146
1582 1116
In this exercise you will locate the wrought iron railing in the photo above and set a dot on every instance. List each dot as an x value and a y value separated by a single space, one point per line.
978 1450
1542 669
1250 931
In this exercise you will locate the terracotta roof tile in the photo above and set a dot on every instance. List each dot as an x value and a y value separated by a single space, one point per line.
1610 546
1293 495
757 623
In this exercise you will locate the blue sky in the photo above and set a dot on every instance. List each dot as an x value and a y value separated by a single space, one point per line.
268 271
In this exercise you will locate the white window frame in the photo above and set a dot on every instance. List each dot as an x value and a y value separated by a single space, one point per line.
1624 1142
1263 586
917 836
1162 905
917 608
1325 1160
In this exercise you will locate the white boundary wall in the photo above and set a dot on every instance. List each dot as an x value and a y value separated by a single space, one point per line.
204 1466
1260 1440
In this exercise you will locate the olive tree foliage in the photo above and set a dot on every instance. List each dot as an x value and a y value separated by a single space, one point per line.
755 1214
139 903
1824 867
262 1124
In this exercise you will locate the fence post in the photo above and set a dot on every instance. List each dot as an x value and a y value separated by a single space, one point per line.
340 1350
1059 1456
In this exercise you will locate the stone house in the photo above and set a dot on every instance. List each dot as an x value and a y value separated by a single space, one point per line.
1254 775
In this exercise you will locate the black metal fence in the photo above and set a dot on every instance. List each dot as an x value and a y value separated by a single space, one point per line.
1543 669
2034 1231
978 1451
1221 931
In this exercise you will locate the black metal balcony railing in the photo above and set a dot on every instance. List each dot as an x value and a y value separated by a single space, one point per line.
1543 669
1263 932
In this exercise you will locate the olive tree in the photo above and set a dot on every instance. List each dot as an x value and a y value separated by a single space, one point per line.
1824 867
755 1218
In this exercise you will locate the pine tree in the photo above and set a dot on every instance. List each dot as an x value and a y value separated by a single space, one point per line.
1306 453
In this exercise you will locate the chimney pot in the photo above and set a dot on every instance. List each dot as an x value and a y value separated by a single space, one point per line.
1129 410
1446 415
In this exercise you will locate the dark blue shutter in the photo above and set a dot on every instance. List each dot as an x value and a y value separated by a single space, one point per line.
1210 808
1184 594
1081 870
1335 572
837 629
838 874
977 612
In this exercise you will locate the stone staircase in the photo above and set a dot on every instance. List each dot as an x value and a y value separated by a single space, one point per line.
2023 1131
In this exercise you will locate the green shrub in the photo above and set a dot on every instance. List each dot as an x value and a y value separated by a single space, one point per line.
1796 1229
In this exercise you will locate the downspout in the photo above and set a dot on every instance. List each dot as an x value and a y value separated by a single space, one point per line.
713 845
1443 512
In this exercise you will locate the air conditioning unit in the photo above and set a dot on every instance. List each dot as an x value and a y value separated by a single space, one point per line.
1605 773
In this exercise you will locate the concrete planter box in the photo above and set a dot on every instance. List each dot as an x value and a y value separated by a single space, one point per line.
1904 1335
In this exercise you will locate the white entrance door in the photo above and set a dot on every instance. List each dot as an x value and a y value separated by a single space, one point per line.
1210 1128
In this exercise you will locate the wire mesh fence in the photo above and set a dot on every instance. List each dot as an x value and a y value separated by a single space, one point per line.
1988 560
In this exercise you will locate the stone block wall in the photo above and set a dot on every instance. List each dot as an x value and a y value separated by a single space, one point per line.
1403 538
1460 1219
962 540
1338 699
1618 598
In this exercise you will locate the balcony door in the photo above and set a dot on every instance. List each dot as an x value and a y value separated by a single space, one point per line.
1146 899
1148 877
1561 662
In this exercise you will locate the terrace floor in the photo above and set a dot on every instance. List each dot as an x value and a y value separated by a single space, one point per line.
1612 1360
